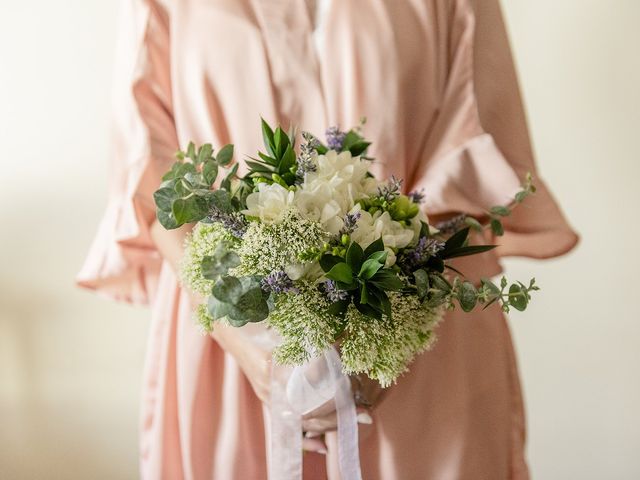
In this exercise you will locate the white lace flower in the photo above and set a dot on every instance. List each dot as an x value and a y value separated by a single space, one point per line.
269 202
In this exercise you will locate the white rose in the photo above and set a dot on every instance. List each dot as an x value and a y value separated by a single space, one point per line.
269 202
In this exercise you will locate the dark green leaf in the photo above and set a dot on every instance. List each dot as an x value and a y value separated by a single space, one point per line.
376 246
380 256
341 272
355 255
288 160
258 167
328 261
358 148
369 268
368 311
454 242
338 308
387 280
470 250
267 136
364 294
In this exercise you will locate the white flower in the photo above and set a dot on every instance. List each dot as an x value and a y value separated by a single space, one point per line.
269 202
380 224
342 166
318 201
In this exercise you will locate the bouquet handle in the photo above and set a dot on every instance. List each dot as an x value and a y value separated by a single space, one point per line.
298 391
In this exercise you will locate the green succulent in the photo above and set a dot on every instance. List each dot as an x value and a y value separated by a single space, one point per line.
279 164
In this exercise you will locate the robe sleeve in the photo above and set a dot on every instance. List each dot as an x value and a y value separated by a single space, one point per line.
478 151
123 262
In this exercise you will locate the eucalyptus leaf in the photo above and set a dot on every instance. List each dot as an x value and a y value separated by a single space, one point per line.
467 296
422 282
501 211
496 227
210 172
225 155
518 298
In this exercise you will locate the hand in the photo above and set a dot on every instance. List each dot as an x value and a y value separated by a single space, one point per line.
254 361
367 394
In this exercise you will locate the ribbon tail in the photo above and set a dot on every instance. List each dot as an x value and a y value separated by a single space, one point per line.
285 435
348 451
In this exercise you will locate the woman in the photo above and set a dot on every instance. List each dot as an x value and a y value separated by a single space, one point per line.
436 82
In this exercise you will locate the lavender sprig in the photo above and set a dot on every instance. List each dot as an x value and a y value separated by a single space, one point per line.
306 163
333 293
335 138
234 221
278 282
417 256
417 196
452 225
391 190
350 223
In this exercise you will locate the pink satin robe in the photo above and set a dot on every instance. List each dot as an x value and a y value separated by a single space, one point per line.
436 82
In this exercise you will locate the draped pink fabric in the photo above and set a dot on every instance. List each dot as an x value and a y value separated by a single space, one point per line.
435 80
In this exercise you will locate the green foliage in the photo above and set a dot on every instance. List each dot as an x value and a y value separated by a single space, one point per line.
186 193
220 262
238 300
361 273
279 164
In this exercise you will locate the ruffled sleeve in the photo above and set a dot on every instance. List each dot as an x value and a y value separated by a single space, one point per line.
478 150
123 262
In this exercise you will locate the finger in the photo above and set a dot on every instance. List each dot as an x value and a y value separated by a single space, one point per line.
324 409
328 423
314 445
325 423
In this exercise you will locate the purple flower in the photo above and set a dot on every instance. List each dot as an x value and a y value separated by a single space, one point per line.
234 222
451 226
350 223
305 160
333 293
417 196
278 282
391 189
335 138
417 256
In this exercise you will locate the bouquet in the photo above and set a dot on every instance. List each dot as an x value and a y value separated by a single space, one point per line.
310 242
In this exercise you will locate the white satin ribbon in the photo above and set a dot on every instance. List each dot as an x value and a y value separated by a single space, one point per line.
298 391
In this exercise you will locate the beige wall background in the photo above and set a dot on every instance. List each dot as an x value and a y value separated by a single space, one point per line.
71 363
